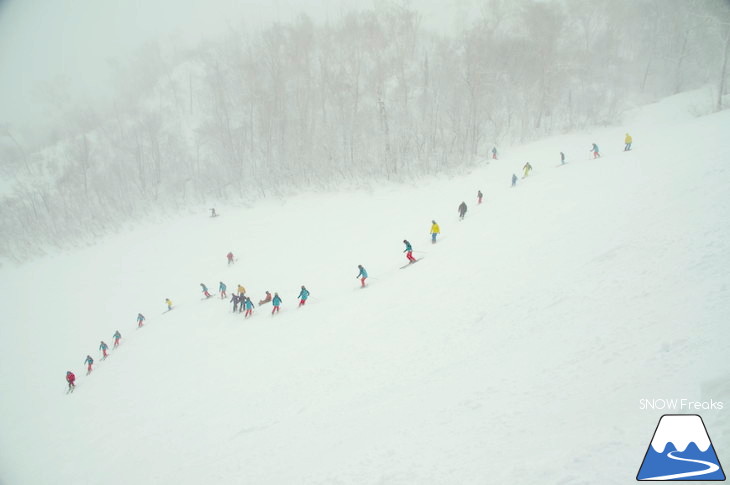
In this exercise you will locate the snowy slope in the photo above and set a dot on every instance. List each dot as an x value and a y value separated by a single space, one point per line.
515 352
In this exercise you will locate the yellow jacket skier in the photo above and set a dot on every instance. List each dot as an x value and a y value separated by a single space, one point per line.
435 231
628 140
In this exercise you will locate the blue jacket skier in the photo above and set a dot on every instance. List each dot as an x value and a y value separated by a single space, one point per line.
117 337
104 347
222 289
140 320
363 274
409 251
89 362
303 295
514 180
595 151
249 307
276 302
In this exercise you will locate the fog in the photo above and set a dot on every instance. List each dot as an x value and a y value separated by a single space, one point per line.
73 44
114 113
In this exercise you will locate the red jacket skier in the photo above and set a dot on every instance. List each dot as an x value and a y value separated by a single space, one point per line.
71 379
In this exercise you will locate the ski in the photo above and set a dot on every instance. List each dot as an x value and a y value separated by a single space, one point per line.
414 262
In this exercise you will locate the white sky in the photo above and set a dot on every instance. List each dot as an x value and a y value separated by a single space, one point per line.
42 40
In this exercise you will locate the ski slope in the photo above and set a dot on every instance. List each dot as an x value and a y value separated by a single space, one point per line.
516 351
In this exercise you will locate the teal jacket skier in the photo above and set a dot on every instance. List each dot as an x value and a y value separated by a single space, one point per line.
409 251
276 302
362 275
303 295
104 347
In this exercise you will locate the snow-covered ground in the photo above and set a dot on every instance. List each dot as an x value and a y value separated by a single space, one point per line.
517 351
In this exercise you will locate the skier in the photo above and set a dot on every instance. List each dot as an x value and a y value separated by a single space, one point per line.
249 307
594 149
117 337
303 295
140 320
169 304
435 231
494 153
230 257
514 180
241 290
527 168
71 379
628 141
362 275
89 362
212 212
266 299
205 290
222 289
104 347
235 299
479 196
409 252
276 302
462 210
562 158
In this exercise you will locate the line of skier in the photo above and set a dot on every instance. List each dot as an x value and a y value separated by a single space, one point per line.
243 303
595 150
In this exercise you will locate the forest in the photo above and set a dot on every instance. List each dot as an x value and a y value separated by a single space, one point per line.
369 96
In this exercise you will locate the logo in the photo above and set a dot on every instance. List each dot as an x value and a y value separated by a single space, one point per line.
681 450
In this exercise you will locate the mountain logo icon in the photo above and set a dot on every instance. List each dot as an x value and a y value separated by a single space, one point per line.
681 450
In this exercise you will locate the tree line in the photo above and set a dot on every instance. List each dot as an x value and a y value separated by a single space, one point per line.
370 96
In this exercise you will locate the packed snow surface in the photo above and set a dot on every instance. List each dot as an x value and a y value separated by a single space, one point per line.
515 351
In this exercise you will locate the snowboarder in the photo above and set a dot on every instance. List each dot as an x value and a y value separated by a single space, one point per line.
71 379
212 212
104 347
266 299
562 158
409 251
303 295
230 257
241 290
222 289
140 320
595 151
514 180
169 304
462 210
628 141
435 231
117 337
362 275
249 307
235 299
89 362
479 196
205 290
527 168
494 153
276 302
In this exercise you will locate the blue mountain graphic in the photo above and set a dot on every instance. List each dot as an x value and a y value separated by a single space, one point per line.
661 464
